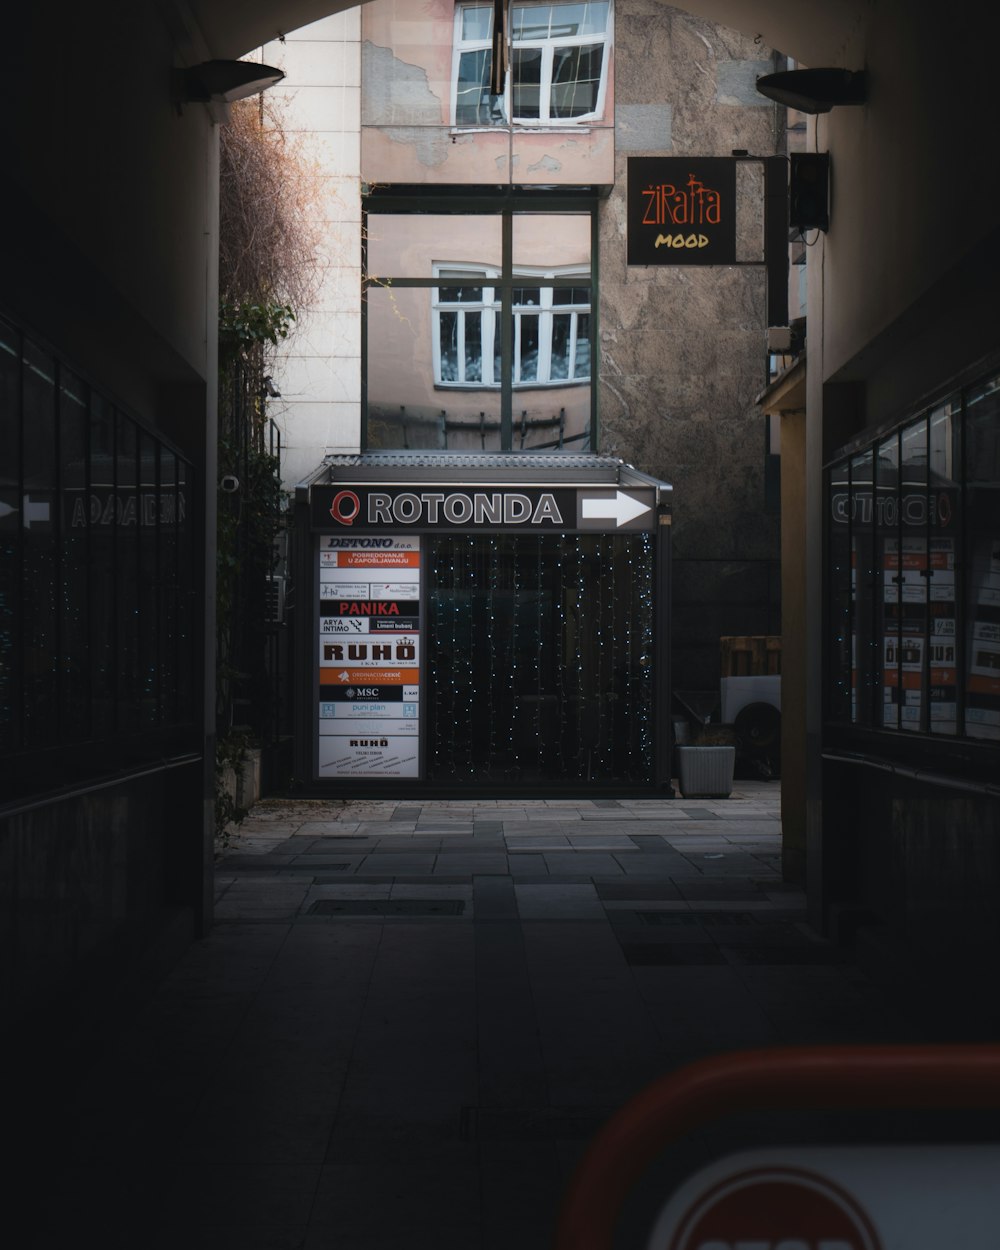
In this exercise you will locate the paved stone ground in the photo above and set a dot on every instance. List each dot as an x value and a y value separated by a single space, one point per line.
410 1017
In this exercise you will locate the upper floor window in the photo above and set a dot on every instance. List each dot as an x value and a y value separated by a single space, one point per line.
558 69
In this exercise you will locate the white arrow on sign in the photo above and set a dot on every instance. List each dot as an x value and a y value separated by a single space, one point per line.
621 509
35 511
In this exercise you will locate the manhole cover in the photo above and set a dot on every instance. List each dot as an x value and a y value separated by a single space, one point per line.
387 907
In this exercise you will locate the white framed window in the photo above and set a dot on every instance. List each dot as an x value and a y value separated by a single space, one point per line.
551 327
558 64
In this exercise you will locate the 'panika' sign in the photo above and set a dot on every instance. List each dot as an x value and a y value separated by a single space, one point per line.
681 211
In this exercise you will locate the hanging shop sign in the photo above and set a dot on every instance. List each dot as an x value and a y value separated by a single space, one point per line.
368 657
558 510
681 210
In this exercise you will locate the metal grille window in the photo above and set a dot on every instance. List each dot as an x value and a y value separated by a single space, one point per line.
551 328
97 570
558 71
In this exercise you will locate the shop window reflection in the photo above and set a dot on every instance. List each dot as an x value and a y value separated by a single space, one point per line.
982 668
944 516
865 646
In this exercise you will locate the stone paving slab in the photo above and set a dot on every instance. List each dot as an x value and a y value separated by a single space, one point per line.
339 1081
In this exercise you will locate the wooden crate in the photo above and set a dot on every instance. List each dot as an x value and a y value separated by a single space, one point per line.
756 655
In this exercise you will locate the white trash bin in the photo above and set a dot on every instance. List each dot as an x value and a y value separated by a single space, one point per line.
706 772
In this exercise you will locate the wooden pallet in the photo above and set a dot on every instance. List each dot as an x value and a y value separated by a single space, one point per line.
751 656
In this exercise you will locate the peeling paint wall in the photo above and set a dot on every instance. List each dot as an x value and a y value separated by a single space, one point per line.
406 131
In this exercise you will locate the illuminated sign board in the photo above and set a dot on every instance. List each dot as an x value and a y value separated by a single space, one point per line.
356 511
368 657
681 210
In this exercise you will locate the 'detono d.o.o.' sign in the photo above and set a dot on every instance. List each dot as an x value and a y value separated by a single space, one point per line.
681 211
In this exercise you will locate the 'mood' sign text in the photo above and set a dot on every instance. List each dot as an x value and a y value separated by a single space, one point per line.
681 211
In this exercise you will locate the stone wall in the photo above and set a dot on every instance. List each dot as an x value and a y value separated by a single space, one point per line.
683 349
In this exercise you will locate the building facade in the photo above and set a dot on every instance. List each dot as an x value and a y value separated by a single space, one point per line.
488 209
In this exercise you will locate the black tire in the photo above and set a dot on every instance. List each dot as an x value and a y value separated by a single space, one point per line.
758 730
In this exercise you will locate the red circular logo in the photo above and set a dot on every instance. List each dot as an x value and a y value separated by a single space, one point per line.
775 1209
345 507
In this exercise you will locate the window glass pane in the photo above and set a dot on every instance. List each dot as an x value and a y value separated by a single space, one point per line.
40 570
126 506
526 348
103 597
594 20
527 67
866 645
840 668
945 517
552 242
914 657
472 97
10 536
563 352
571 295
576 81
583 352
409 404
448 330
74 624
168 587
530 21
186 598
477 23
890 576
411 245
473 346
529 296
149 575
460 294
982 458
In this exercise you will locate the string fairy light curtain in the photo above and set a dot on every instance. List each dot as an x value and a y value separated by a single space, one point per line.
540 658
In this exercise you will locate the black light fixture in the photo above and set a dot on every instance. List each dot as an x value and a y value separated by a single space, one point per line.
814 90
224 82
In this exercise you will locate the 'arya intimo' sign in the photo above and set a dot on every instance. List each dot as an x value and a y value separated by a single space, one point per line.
681 210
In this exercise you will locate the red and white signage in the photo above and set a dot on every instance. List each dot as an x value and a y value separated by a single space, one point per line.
838 1198
368 657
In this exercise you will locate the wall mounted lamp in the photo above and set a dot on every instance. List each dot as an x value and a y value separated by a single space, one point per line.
223 82
814 90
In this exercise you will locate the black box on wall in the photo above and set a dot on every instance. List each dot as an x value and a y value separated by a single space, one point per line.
809 191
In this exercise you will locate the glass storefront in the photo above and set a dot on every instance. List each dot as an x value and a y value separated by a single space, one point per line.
914 574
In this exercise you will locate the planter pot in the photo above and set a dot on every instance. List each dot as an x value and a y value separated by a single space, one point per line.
705 772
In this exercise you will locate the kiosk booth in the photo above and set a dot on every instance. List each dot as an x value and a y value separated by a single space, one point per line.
481 624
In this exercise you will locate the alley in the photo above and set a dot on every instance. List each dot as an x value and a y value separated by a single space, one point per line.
410 1017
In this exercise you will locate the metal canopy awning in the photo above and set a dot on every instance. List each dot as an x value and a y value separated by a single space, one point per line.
404 468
